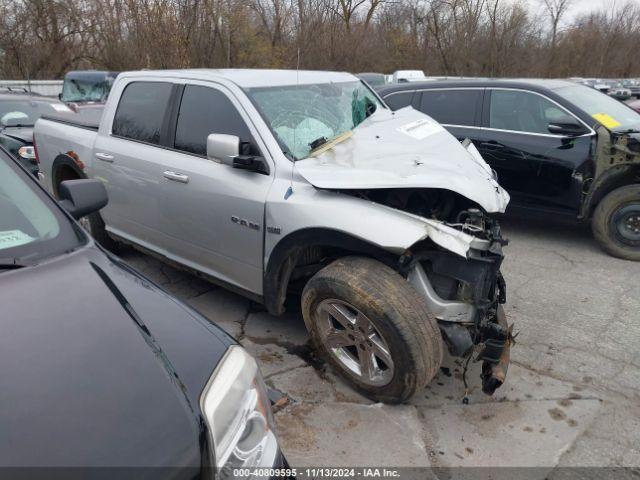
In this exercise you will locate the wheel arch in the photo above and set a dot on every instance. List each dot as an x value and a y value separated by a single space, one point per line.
615 177
64 167
303 245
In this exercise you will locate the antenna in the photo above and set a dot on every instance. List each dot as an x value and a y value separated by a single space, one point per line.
293 162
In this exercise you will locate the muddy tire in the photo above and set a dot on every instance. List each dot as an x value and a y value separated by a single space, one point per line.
373 328
616 223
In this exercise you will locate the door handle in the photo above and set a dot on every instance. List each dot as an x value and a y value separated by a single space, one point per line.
176 177
105 157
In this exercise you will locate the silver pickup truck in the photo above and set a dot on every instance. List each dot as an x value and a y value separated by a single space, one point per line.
277 183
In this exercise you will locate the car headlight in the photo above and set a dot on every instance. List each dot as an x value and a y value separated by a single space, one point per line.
238 414
28 153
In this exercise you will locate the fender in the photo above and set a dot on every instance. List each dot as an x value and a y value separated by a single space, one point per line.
285 255
615 177
315 217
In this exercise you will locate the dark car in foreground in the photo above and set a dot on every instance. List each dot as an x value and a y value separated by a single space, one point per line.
558 148
19 111
102 368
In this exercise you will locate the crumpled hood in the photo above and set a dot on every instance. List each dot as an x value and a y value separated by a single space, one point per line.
405 149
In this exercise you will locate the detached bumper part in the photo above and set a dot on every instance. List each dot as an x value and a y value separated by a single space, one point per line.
496 353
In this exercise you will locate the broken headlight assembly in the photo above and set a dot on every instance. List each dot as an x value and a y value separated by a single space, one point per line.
238 414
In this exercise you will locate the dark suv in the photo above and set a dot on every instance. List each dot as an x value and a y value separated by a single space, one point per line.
102 368
557 147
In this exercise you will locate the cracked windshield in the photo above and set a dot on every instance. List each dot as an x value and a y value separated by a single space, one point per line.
305 117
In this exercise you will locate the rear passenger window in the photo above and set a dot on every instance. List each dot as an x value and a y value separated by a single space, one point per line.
204 111
142 110
399 100
451 107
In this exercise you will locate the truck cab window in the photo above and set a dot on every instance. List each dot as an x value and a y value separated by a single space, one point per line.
451 107
141 111
205 110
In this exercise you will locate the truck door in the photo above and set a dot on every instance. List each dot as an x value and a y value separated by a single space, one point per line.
213 213
539 169
127 159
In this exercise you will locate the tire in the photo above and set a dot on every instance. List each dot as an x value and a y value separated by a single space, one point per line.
390 324
100 235
616 223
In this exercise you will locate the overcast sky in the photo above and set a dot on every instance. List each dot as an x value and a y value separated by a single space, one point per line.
578 7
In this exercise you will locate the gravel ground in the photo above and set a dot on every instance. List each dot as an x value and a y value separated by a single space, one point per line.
572 392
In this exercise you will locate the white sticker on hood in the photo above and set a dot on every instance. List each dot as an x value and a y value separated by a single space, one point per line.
420 129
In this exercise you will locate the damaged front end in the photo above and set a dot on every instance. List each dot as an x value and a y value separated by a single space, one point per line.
466 294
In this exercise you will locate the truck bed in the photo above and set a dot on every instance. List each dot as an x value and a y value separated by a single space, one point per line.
63 139
80 120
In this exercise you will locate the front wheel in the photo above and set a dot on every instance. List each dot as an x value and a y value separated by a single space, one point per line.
616 223
371 326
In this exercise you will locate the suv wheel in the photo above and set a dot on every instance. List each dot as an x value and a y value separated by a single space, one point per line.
372 326
616 223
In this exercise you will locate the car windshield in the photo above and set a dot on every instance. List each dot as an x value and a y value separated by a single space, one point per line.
608 111
31 228
25 112
304 117
85 90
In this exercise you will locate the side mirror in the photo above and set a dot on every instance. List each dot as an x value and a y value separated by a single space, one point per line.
82 197
223 148
566 127
226 149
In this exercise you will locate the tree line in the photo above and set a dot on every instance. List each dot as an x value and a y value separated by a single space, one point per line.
42 39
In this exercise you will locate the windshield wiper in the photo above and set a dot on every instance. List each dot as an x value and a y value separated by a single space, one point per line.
318 142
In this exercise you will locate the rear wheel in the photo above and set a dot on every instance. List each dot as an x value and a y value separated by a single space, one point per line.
371 326
616 223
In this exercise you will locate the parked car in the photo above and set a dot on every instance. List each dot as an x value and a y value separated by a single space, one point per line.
86 88
558 148
620 92
374 80
404 76
275 182
19 110
104 368
633 86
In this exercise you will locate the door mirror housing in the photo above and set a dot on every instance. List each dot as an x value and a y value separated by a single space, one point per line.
223 148
567 127
82 197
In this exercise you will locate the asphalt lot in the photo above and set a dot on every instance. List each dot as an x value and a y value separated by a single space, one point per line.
572 392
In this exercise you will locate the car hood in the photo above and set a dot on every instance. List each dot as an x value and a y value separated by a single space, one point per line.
23 134
101 367
405 149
